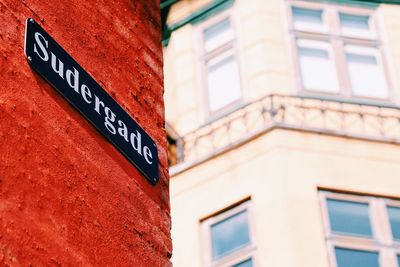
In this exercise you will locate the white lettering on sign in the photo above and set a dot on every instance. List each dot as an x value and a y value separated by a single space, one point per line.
114 125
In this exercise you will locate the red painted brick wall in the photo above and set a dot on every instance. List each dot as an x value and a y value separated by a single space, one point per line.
67 196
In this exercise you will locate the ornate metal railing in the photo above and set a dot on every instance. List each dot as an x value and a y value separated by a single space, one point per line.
329 116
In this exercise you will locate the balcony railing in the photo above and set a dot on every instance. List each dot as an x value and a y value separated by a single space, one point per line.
327 116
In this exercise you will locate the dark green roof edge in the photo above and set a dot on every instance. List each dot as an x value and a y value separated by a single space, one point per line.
167 3
397 2
211 9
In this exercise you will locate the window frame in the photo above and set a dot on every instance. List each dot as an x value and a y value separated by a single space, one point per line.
373 35
392 203
381 240
204 56
333 259
237 256
351 198
338 41
380 63
331 53
322 30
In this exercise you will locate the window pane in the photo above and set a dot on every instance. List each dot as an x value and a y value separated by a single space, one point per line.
223 81
217 35
366 76
230 234
349 217
394 217
398 260
307 19
317 69
354 25
246 263
356 258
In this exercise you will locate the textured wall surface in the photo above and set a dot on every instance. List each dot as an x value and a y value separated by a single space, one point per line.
67 196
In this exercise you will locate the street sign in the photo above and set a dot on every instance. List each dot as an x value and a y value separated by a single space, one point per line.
56 66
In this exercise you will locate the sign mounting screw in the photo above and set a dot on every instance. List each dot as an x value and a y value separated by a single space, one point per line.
30 58
31 20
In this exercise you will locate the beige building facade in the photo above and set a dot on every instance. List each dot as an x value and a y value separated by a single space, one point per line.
284 127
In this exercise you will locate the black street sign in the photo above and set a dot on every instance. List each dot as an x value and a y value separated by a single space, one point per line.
55 65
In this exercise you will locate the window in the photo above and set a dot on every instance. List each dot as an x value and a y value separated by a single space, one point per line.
361 231
246 263
223 81
308 19
366 76
353 258
394 217
221 70
230 234
217 35
317 67
349 217
356 25
338 50
227 238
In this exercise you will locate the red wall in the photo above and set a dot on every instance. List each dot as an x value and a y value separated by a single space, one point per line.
67 196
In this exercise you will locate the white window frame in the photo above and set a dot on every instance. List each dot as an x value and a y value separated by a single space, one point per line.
317 44
372 35
339 40
367 51
381 241
204 56
323 29
248 251
392 203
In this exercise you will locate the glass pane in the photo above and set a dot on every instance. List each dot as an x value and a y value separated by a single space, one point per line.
356 258
217 35
317 70
394 217
398 260
246 263
230 234
223 81
354 25
366 76
349 217
307 19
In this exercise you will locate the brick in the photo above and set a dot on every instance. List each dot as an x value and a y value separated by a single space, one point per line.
67 196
